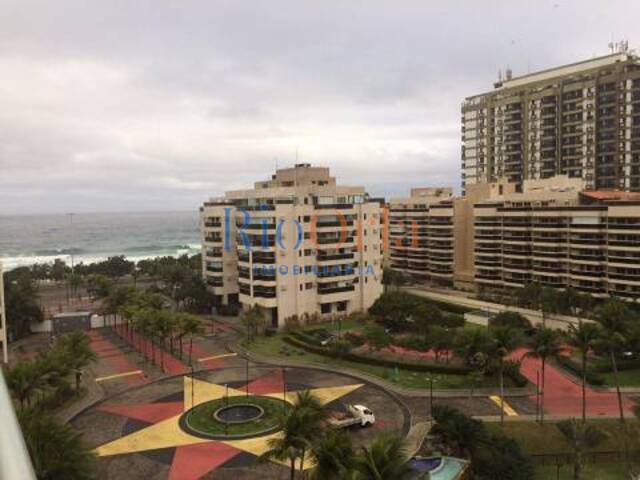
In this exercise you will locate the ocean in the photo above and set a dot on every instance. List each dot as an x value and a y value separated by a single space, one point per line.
91 237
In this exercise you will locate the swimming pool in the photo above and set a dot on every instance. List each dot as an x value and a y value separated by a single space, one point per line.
440 468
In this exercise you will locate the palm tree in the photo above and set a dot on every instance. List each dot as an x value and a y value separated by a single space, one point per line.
77 353
614 317
191 325
314 415
385 459
289 444
334 456
583 338
582 437
24 381
162 326
504 340
56 450
545 343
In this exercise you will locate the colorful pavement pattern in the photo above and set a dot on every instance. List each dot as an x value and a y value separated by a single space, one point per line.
117 362
194 456
564 397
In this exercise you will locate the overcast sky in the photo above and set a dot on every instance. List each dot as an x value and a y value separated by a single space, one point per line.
112 105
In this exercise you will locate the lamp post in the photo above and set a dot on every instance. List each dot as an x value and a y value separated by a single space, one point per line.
193 387
247 376
284 390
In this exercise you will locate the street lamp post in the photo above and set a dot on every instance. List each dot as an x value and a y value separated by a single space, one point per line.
284 390
247 375
193 387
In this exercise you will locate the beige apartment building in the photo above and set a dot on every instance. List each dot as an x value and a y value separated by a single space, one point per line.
297 244
581 120
431 235
557 234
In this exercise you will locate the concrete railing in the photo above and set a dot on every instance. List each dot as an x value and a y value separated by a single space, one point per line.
15 462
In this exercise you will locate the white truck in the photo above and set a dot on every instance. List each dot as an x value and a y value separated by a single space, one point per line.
355 415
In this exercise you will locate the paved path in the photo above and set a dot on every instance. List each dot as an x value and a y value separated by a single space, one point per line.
115 359
564 397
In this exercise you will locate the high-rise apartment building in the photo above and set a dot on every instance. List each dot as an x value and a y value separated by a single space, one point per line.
297 244
581 120
555 233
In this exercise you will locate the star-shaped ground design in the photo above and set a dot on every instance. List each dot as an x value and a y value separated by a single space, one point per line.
195 456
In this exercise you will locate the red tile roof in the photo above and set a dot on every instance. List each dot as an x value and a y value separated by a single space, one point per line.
613 195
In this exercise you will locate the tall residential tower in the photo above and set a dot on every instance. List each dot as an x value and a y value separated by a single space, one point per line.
581 120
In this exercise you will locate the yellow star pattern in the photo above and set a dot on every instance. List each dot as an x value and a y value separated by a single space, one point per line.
167 433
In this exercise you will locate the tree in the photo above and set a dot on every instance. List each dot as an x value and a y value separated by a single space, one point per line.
57 452
314 415
162 325
581 437
188 324
473 345
334 456
460 432
504 340
24 381
21 302
529 296
510 319
583 338
289 444
614 318
545 343
385 459
376 336
424 317
77 353
548 301
98 286
252 318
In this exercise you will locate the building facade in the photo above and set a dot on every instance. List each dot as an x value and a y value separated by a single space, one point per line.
431 235
581 120
557 234
296 245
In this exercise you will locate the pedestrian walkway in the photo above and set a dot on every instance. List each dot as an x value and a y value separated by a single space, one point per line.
116 361
563 396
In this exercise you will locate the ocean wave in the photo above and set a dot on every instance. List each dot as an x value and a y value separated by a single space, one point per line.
60 251
11 262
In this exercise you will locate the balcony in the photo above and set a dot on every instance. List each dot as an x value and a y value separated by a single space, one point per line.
327 290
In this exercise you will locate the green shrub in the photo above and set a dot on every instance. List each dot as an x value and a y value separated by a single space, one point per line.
354 339
417 366
413 342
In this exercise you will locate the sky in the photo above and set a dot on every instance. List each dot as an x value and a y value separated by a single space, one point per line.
158 105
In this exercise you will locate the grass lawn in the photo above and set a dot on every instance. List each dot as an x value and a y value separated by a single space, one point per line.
276 347
603 471
547 439
202 419
628 378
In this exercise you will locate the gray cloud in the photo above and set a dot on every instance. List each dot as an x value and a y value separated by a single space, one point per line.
154 104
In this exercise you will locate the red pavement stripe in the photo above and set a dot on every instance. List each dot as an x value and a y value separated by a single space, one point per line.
193 461
151 412
116 360
271 382
563 396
